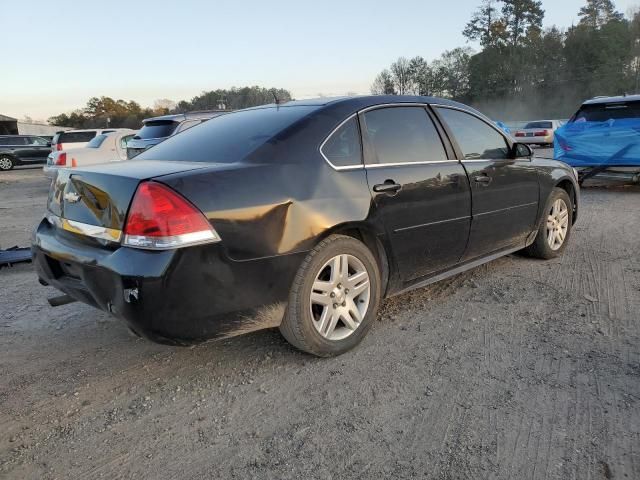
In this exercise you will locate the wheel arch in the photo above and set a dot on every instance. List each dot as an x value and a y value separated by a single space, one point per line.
373 240
16 160
568 186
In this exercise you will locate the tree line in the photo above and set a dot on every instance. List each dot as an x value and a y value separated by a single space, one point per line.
523 71
106 111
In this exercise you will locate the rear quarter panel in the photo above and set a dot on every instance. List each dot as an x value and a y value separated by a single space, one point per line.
264 210
552 173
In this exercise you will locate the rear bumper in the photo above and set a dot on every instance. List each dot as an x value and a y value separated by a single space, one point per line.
177 296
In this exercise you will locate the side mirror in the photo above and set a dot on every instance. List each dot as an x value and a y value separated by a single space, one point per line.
521 150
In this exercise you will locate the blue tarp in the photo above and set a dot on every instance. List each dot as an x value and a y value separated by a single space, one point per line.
595 144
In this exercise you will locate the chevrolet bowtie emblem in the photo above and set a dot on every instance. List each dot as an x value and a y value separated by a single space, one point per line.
71 197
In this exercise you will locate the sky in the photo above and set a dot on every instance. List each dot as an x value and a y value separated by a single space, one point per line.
64 52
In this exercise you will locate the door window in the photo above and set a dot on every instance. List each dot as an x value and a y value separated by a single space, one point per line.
403 135
343 147
40 142
476 139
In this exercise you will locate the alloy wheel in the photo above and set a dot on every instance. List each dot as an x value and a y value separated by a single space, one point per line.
5 163
340 297
557 224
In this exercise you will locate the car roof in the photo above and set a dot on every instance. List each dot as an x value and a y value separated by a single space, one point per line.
616 99
360 102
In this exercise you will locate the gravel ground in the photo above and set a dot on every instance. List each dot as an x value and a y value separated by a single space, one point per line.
519 369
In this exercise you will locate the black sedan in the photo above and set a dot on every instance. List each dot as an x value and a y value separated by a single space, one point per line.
303 215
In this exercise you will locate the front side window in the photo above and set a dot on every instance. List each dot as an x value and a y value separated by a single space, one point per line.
343 147
41 142
403 135
476 139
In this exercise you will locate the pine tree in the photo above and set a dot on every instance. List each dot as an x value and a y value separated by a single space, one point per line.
597 13
481 25
522 19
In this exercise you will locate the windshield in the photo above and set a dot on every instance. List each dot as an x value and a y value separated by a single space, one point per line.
227 138
604 112
97 141
539 125
157 129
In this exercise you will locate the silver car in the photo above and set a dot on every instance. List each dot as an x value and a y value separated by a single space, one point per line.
540 132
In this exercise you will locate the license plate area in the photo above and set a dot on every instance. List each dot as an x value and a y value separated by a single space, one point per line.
63 270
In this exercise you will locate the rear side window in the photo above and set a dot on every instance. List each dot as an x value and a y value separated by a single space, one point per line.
97 141
403 135
157 129
76 137
228 138
607 111
343 147
13 141
539 125
476 139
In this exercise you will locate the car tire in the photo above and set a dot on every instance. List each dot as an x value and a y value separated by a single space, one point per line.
555 228
324 317
6 163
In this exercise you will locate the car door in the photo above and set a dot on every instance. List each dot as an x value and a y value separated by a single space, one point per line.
38 149
420 191
17 146
504 189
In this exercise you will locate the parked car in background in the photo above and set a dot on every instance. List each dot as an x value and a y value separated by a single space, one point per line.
106 147
602 139
22 150
540 132
157 129
304 215
77 138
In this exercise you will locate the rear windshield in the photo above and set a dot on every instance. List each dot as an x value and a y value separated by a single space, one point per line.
157 129
227 138
539 125
75 137
607 111
97 141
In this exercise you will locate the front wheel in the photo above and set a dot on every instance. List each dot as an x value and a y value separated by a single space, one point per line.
6 163
555 228
334 298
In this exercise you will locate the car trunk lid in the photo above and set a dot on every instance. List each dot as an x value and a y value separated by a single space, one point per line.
99 196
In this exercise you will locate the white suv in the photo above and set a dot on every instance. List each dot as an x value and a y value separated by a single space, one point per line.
77 138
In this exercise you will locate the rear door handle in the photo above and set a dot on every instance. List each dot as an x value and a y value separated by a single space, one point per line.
387 187
483 179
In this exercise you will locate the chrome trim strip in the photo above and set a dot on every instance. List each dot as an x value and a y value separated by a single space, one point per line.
432 223
94 231
344 167
506 209
404 164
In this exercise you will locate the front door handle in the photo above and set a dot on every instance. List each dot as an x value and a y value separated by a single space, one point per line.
388 186
483 179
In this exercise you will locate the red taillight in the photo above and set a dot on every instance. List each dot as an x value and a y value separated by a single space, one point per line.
542 133
519 134
61 159
160 218
59 147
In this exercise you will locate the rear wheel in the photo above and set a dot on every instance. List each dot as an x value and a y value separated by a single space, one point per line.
334 298
6 163
555 228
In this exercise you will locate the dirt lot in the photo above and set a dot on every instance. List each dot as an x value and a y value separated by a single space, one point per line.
519 369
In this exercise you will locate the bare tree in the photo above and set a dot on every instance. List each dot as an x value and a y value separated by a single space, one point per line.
401 75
